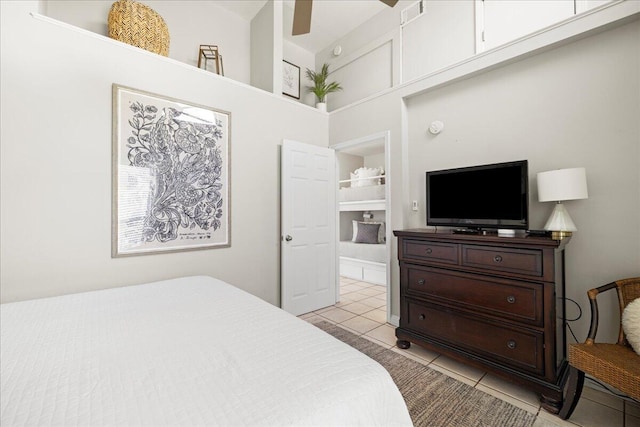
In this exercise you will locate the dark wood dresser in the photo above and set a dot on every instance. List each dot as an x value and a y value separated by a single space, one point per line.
496 303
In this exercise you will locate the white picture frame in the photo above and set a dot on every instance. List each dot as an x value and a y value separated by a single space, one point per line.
171 174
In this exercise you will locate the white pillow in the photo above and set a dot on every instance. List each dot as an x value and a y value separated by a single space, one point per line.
631 324
365 173
354 183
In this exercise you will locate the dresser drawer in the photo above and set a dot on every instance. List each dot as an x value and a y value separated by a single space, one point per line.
516 301
519 261
446 253
515 347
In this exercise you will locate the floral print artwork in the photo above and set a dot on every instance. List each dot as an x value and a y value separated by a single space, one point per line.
182 152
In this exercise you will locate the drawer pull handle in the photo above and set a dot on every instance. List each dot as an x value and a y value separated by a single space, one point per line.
421 282
511 299
511 344
422 317
428 251
497 258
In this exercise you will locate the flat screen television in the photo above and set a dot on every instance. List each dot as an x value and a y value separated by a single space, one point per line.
484 196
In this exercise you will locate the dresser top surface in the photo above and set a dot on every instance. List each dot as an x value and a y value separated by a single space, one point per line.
483 237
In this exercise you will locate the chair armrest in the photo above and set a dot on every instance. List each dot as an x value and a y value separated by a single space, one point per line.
592 294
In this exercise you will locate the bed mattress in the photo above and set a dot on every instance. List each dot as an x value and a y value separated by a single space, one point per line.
353 194
188 351
364 251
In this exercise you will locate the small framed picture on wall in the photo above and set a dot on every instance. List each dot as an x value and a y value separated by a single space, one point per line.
290 79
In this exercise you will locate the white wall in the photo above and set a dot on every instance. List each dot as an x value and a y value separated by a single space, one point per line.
384 22
374 160
90 15
262 48
575 105
266 48
443 35
370 58
303 59
55 155
379 55
190 22
370 73
347 163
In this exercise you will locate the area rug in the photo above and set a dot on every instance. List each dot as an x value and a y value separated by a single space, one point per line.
434 399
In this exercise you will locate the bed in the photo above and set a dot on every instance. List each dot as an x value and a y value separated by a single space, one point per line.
364 257
187 351
366 252
354 194
365 262
367 198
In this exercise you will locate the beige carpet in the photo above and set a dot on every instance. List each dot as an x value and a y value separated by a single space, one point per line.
434 399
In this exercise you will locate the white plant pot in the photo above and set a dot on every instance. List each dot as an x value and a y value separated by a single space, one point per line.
322 106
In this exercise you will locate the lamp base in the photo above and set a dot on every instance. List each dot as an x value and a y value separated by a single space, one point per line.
560 223
559 235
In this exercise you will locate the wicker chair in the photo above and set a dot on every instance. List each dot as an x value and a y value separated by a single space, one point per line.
615 364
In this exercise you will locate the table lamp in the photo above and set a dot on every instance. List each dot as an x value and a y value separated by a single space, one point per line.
557 186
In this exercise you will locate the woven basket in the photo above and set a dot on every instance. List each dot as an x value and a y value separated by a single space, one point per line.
138 25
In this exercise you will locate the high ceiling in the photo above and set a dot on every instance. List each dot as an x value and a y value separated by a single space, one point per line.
330 19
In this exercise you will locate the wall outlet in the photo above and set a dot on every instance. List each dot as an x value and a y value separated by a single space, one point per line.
414 205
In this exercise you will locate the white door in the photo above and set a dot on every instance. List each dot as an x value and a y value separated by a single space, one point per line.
308 227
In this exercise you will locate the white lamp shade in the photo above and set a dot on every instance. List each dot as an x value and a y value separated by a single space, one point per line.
562 184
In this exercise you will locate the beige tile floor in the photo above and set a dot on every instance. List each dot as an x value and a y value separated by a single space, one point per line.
362 310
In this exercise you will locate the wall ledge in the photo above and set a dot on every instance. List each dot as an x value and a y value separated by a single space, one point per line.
122 45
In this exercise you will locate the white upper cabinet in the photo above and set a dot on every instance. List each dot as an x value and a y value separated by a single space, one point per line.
441 36
502 21
439 33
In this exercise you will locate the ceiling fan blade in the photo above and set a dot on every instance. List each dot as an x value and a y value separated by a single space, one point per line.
389 3
301 17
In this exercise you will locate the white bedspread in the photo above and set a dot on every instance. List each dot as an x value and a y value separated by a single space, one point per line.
190 351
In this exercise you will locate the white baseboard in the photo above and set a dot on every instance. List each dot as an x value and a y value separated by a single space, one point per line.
395 320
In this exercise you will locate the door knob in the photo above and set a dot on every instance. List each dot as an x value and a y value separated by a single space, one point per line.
288 238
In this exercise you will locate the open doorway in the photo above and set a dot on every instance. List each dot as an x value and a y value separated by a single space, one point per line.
363 214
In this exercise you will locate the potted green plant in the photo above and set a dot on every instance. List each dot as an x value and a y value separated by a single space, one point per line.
321 87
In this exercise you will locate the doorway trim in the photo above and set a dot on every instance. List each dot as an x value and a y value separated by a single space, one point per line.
362 141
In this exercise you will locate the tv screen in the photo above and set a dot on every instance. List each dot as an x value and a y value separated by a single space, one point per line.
484 196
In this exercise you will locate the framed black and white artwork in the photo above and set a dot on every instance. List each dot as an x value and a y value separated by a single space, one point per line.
171 172
290 79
